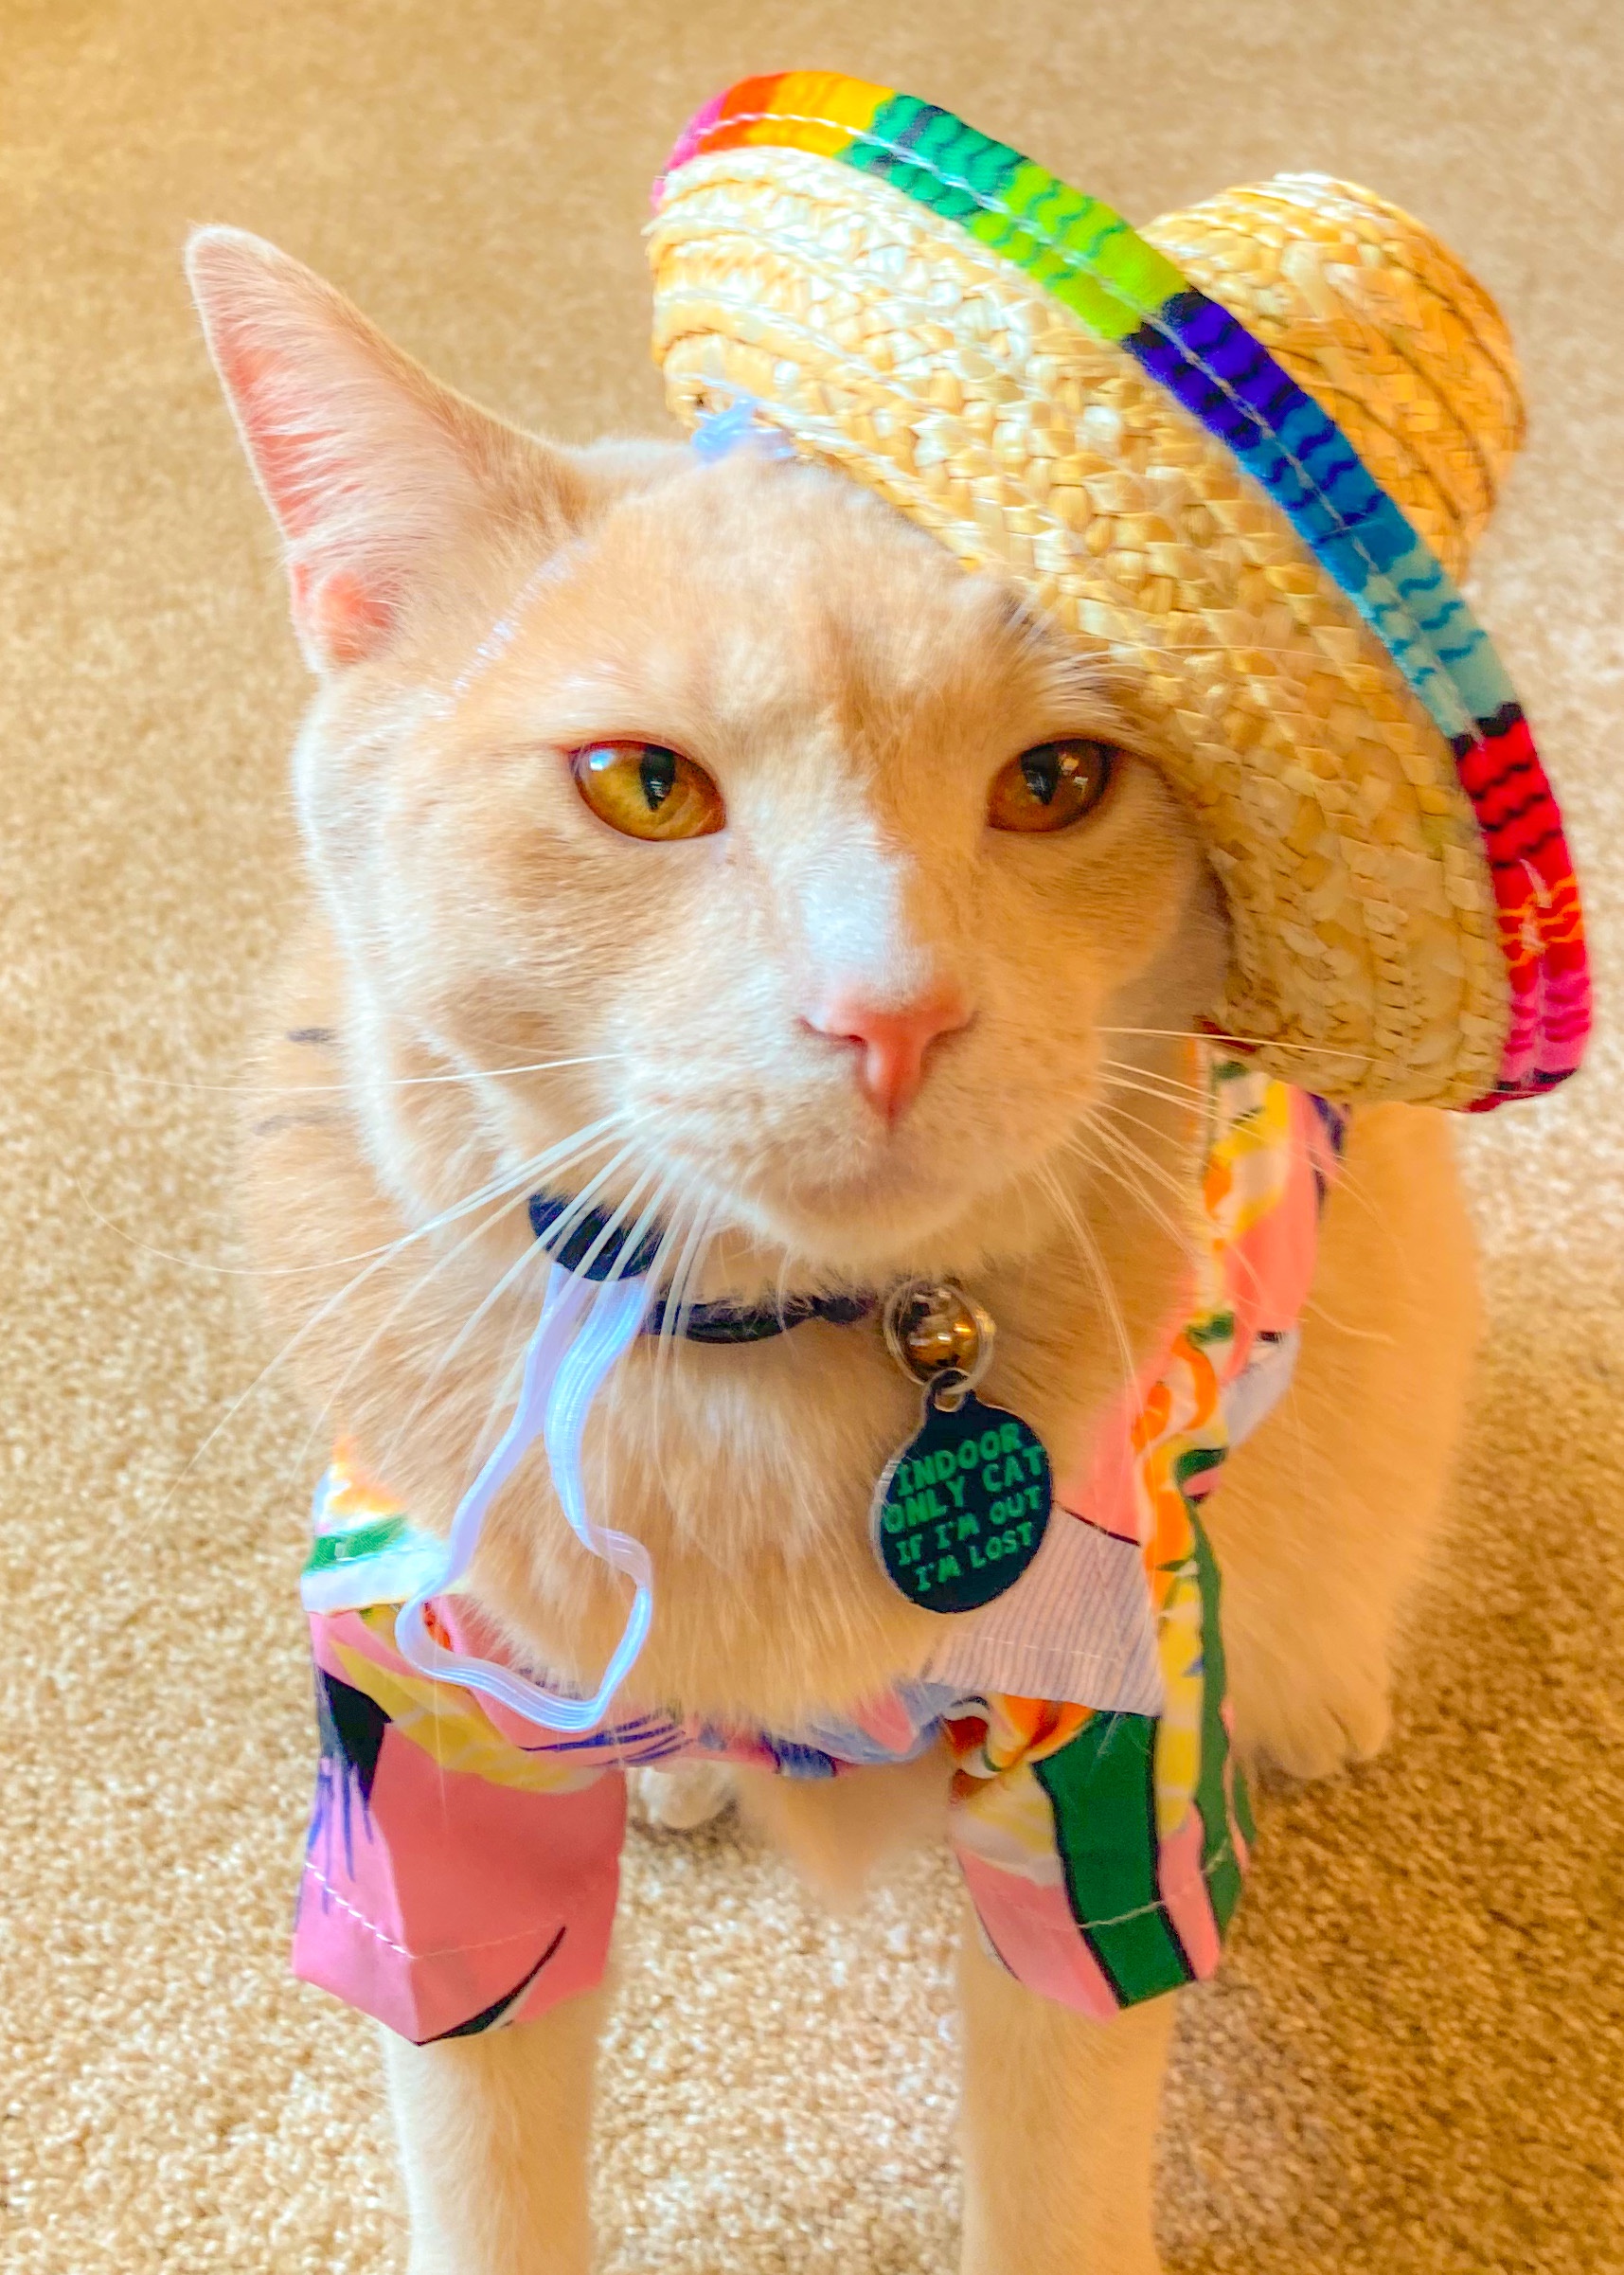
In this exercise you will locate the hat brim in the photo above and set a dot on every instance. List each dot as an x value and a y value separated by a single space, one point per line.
1016 369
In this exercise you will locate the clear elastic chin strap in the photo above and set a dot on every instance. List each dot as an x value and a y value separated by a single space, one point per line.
584 1329
564 1370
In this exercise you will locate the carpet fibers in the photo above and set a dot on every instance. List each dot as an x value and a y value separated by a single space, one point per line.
1414 2060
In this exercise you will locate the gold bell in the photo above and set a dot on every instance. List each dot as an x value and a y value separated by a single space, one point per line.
933 1327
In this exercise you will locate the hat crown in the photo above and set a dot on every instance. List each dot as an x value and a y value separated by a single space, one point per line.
1382 324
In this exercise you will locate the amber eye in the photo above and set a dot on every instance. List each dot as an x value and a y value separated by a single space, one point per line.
644 790
1051 786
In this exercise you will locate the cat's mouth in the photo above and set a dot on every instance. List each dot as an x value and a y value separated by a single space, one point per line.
866 1213
842 1195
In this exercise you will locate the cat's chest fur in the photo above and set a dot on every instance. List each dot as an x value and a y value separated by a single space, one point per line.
748 1471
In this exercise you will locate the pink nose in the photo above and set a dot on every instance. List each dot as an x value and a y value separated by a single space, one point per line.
893 1040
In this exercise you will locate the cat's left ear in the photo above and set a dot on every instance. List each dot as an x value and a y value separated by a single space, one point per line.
370 467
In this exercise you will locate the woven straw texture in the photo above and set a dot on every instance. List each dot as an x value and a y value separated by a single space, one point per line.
1412 2062
1383 325
890 342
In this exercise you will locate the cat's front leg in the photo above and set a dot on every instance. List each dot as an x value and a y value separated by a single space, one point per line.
493 2143
1323 1521
1059 2128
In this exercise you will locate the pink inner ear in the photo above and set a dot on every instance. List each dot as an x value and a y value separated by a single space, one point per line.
282 449
337 614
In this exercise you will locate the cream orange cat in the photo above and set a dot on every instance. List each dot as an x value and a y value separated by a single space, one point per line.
732 912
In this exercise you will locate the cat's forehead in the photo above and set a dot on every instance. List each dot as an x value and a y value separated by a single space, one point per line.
755 592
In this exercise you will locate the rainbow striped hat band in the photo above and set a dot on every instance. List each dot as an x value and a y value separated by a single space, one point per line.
1243 457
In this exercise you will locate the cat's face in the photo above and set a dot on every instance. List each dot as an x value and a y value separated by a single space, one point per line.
838 711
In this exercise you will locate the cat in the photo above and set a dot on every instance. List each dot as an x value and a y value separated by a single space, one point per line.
833 1032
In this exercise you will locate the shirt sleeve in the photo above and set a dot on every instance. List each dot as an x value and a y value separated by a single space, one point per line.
1103 1851
454 1879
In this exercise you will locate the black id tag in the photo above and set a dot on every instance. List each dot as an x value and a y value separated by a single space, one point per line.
962 1511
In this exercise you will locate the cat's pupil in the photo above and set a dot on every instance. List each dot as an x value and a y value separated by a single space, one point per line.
658 776
1042 769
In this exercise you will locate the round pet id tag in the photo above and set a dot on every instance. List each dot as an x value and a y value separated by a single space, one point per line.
961 1510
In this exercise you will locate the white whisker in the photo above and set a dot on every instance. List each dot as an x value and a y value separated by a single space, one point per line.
304 1271
1106 1166
398 1082
358 1357
519 1199
1106 1121
1088 1249
525 1174
1122 1075
1242 1043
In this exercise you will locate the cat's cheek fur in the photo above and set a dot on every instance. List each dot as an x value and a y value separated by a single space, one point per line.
683 978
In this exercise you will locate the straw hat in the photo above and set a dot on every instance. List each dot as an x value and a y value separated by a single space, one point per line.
1244 455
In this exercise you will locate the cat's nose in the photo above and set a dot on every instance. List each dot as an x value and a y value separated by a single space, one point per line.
892 1039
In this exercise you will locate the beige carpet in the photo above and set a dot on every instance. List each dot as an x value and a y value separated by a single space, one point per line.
1415 2060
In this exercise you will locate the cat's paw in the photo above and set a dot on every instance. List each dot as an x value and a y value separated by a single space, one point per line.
679 1800
1311 1726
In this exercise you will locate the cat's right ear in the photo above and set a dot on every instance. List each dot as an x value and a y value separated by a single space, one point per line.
369 466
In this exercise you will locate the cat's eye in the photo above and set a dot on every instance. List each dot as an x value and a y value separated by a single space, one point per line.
1051 785
644 790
